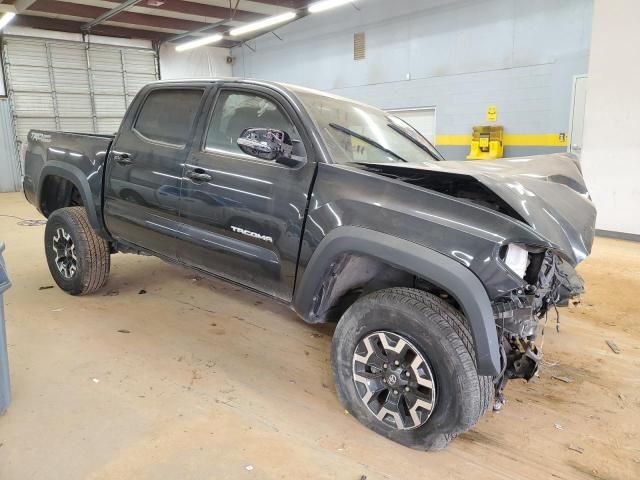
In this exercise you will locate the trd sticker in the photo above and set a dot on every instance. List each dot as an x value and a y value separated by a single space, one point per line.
40 137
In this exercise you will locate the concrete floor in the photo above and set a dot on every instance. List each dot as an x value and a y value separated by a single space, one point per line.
213 382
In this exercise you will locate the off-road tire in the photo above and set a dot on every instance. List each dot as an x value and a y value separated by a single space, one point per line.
91 251
442 336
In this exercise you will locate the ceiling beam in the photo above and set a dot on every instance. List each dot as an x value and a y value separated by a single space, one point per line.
301 13
294 4
70 26
4 8
56 7
110 13
23 5
204 10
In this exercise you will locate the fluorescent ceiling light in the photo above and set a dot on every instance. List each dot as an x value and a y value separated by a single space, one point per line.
199 42
267 22
6 18
326 5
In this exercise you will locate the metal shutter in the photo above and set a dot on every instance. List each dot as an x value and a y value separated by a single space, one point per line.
72 86
29 85
108 86
71 92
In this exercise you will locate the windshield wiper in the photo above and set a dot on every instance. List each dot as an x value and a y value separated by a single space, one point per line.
371 142
416 142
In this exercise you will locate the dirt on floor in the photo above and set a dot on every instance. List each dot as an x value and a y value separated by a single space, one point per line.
167 375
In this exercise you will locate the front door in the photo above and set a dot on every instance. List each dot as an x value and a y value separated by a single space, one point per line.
144 170
243 217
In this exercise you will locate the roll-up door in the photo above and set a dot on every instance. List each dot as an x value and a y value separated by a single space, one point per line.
72 86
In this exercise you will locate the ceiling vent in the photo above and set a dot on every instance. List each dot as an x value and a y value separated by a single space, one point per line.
359 52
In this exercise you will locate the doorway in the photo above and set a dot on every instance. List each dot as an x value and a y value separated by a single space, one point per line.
576 123
422 119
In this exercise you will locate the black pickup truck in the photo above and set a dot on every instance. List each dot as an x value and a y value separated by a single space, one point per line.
437 272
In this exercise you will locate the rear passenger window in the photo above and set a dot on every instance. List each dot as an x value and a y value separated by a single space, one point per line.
167 115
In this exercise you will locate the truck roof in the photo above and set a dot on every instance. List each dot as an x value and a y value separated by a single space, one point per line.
250 81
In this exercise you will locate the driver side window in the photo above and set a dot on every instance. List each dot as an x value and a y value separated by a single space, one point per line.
236 111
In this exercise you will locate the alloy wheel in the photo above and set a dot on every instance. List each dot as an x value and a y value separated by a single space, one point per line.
65 250
394 380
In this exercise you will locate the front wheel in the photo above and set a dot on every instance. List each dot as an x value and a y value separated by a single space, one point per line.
78 258
404 366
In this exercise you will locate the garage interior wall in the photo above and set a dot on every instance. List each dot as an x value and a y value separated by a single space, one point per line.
611 141
203 62
459 56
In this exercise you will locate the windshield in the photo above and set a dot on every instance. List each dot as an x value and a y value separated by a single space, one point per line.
354 132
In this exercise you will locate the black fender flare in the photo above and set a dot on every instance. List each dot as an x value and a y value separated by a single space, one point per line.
433 266
76 176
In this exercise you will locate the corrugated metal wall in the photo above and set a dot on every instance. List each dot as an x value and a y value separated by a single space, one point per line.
71 86
9 167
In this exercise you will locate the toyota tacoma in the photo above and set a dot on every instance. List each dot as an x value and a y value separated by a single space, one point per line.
439 274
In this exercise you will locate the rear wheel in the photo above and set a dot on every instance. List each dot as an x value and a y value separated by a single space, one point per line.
404 366
78 258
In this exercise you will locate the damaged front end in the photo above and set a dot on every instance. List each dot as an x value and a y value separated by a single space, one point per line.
521 315
545 222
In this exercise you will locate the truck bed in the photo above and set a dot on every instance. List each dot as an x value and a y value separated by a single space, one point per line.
62 152
72 164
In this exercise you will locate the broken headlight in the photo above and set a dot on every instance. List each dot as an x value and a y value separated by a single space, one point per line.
517 259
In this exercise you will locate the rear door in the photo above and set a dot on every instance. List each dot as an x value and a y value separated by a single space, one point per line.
243 216
144 169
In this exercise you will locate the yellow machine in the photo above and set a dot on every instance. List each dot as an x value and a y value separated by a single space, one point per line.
486 143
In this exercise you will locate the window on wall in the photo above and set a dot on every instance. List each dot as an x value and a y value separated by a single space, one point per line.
422 119
236 111
168 115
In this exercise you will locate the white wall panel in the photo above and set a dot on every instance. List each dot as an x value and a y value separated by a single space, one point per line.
611 139
203 62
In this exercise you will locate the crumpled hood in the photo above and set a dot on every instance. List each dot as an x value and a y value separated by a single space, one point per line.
547 191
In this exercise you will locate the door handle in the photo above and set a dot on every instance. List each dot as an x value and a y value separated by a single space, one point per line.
199 175
123 158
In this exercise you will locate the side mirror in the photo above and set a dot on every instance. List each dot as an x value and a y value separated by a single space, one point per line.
267 144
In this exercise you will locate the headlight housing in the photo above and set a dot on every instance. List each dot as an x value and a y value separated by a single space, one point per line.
517 259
